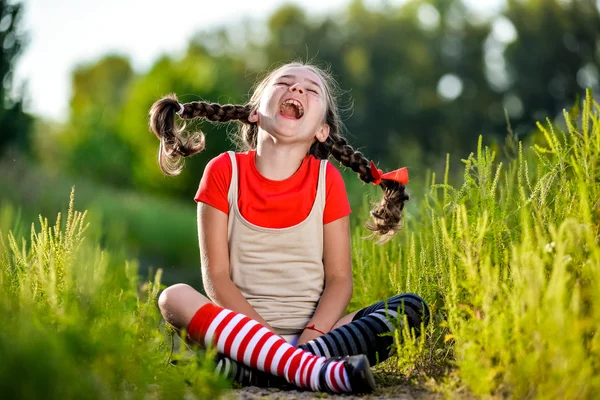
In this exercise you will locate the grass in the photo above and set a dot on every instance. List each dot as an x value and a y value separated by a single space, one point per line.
78 322
509 261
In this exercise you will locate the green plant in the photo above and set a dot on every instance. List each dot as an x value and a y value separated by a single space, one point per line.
79 323
510 264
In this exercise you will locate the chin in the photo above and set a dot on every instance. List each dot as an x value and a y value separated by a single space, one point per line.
286 136
282 128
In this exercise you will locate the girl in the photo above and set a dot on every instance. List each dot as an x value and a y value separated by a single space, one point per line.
273 225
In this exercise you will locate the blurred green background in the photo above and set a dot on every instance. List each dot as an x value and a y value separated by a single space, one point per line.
419 80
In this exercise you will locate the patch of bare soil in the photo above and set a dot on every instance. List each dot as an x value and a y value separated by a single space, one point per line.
401 392
388 387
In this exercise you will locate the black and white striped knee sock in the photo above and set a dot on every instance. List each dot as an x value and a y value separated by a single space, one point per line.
363 334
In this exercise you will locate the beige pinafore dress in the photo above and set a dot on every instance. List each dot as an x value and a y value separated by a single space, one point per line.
279 271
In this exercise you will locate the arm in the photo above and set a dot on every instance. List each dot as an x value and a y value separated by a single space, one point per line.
338 278
214 253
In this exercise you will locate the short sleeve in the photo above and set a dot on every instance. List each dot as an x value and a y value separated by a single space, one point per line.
336 198
214 184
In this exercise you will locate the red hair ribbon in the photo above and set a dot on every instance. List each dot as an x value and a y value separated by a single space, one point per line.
399 175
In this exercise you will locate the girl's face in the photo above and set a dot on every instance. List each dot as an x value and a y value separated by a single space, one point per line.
292 107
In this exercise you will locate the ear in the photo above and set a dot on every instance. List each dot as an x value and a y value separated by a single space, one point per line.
323 133
253 117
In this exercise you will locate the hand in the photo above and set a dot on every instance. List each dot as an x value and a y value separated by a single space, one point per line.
307 335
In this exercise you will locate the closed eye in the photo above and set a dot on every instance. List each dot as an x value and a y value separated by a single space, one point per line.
288 84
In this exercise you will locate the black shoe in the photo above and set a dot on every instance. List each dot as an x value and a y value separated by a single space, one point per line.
266 380
358 370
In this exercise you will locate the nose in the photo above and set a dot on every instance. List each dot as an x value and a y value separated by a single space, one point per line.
296 87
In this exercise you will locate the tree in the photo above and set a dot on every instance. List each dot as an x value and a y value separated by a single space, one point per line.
422 79
198 75
90 143
390 62
15 125
555 58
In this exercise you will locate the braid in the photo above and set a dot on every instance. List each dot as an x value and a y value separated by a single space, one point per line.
216 112
322 150
386 217
175 144
345 154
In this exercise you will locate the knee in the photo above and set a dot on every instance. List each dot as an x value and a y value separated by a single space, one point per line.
179 303
171 300
414 306
410 298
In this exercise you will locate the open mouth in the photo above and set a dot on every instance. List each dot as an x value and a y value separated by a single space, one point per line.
291 108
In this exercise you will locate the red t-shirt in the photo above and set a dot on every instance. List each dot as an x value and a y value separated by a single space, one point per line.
268 203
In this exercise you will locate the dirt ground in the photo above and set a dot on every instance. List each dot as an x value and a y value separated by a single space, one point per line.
401 392
389 386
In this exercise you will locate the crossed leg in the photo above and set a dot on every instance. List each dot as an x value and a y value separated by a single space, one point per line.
359 332
248 342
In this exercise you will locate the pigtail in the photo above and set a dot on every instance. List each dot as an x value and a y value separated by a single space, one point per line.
175 143
386 217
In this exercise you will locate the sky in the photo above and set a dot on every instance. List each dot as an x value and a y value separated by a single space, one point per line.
65 33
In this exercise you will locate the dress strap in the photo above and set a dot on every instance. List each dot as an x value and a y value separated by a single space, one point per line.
321 186
233 186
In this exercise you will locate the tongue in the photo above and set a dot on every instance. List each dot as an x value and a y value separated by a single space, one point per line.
289 111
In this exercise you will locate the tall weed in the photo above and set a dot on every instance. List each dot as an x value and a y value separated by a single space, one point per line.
77 322
510 263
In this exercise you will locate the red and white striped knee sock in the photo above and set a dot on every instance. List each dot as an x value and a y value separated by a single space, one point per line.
246 341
